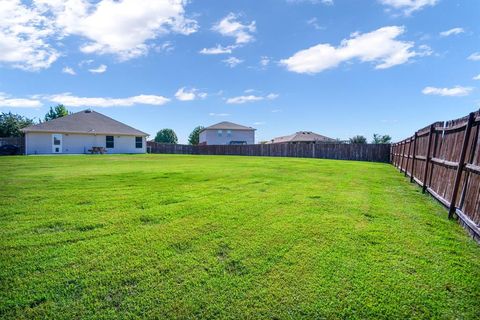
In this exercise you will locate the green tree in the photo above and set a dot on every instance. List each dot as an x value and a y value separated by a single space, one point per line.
381 139
166 136
194 137
10 124
56 112
358 139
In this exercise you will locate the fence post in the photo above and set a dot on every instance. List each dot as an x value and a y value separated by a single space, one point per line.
461 164
427 159
403 155
408 156
413 156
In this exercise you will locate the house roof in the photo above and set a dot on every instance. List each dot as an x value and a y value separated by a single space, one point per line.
302 136
85 122
225 125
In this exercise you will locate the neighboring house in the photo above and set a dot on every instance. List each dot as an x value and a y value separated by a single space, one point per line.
227 133
303 137
80 132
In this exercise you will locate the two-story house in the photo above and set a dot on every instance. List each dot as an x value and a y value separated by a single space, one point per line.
227 133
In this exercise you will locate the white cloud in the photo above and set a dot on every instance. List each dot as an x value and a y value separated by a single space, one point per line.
166 47
452 32
259 123
457 91
69 70
217 50
314 23
74 101
474 56
379 46
24 35
264 61
213 114
123 28
100 69
408 6
7 101
477 77
251 98
184 94
232 62
231 27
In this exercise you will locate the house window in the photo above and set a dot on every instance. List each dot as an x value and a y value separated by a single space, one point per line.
56 141
138 142
110 143
219 132
229 133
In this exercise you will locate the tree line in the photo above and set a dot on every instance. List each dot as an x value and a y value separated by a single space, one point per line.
11 125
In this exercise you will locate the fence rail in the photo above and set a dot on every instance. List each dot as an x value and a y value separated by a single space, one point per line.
360 152
444 159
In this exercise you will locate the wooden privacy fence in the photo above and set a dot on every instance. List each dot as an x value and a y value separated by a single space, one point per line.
444 159
16 141
361 152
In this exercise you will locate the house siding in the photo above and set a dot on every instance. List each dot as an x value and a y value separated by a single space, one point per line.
41 143
210 137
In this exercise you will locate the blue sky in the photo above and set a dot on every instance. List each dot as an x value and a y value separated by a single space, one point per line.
338 68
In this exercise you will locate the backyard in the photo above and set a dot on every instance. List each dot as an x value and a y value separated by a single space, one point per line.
179 236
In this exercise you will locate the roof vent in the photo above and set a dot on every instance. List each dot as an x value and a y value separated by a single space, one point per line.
88 111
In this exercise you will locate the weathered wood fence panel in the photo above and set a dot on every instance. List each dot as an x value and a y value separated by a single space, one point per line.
16 141
444 159
360 152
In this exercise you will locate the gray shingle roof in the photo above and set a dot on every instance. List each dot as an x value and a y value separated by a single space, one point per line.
302 136
86 122
225 125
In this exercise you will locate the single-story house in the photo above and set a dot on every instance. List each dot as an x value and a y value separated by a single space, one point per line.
306 137
227 133
83 132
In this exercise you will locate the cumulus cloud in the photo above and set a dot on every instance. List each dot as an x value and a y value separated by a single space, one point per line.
8 101
217 50
122 28
251 98
69 70
379 46
100 69
408 6
477 77
457 91
232 62
75 101
452 31
230 26
24 36
474 56
184 94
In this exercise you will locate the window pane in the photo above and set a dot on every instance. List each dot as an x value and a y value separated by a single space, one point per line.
110 142
138 142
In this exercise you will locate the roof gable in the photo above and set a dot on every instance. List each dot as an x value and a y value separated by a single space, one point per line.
302 136
85 122
225 125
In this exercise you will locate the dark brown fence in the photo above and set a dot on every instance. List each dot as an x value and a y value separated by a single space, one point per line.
361 152
444 159
16 141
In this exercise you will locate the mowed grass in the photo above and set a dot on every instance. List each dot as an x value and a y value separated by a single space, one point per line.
172 236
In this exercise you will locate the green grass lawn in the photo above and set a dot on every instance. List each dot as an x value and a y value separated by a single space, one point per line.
160 236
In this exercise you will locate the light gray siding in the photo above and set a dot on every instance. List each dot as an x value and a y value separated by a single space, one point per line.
212 137
41 143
